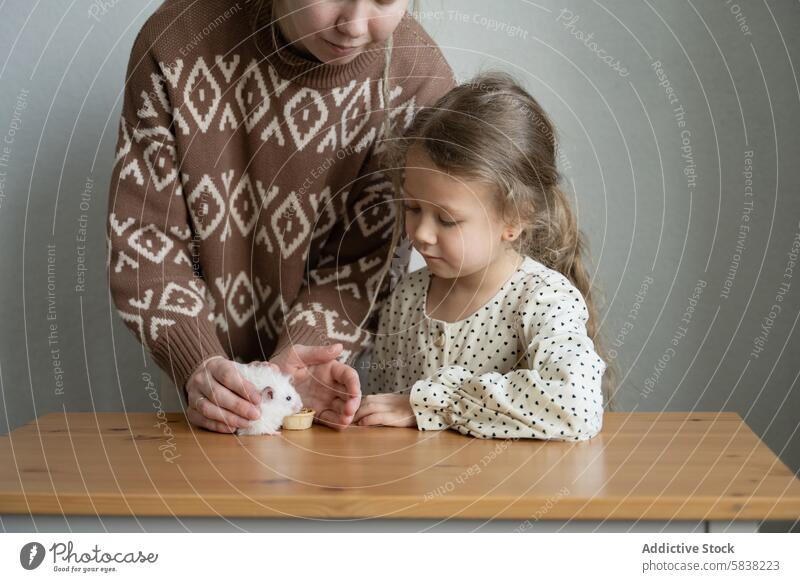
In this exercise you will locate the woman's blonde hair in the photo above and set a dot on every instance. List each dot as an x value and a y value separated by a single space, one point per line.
491 129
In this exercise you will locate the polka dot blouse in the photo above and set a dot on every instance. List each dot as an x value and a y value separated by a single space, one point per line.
521 366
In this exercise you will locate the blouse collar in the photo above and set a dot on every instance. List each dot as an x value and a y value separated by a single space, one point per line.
528 265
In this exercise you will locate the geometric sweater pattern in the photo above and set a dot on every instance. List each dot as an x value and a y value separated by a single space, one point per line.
247 208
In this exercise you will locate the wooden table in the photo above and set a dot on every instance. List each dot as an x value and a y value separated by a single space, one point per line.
645 472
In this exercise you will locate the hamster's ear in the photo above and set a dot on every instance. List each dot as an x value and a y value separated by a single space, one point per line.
268 392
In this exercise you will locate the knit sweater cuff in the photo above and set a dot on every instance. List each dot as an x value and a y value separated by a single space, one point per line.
307 335
300 334
183 347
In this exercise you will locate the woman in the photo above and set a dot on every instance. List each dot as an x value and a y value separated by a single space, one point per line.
248 218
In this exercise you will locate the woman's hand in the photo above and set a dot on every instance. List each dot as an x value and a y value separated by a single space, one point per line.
328 386
385 410
220 399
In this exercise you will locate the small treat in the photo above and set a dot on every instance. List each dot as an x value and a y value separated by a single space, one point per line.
300 421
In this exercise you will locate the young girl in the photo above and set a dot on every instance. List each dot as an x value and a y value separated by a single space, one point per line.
494 337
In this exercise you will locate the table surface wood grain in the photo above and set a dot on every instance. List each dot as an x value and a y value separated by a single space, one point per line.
648 466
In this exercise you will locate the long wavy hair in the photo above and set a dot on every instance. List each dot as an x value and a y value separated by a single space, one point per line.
493 130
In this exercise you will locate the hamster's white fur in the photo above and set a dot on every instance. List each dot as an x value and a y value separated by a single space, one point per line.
278 398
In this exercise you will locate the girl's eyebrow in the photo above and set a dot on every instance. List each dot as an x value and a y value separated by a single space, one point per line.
409 197
448 209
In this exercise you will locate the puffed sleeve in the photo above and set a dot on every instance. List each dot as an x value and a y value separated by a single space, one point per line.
557 395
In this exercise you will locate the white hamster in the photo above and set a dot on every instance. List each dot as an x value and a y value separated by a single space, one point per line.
278 398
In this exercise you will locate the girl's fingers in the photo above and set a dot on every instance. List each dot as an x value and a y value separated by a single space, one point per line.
197 419
370 409
368 406
387 419
376 419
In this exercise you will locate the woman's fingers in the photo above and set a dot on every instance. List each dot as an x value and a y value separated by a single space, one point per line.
265 364
348 378
231 402
313 355
212 395
300 375
225 373
362 411
212 408
348 387
336 405
331 418
197 419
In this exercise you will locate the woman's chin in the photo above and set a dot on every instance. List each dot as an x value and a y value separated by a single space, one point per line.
338 60
330 55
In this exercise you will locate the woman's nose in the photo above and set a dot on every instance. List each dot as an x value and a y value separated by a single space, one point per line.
354 19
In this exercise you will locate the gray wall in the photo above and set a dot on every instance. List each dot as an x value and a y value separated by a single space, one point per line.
657 236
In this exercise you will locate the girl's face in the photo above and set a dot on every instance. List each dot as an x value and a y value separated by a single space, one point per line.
337 31
452 222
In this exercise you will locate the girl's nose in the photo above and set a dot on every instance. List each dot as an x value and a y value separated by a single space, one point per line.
354 19
424 233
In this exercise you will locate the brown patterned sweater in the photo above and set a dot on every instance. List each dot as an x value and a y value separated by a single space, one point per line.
246 208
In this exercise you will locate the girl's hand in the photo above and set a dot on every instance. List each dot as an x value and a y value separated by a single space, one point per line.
219 398
385 410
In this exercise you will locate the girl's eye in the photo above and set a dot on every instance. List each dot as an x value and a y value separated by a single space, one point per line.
288 398
410 208
447 223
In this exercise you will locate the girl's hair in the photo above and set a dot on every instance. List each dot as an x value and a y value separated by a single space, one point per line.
491 129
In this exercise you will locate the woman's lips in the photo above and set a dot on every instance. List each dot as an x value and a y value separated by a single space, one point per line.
341 49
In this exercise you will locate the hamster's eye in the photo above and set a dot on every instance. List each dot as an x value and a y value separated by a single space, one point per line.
288 398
